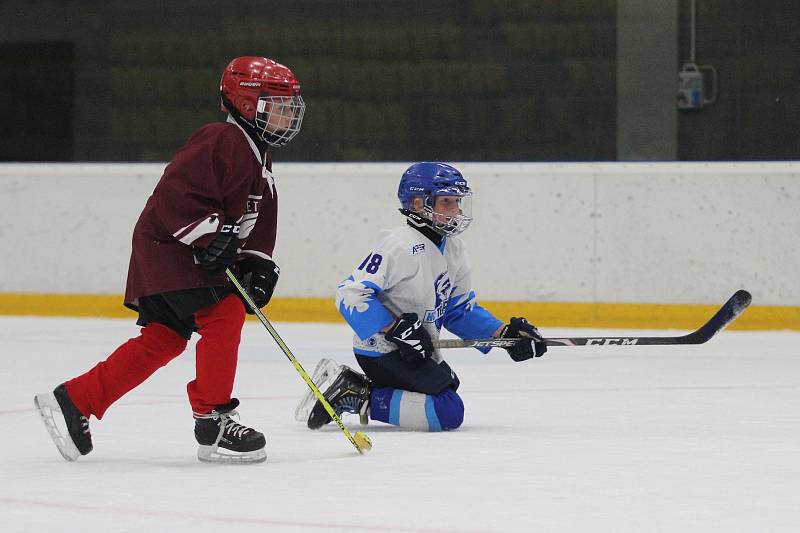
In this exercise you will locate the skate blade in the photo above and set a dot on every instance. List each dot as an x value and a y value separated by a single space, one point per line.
47 404
325 373
215 454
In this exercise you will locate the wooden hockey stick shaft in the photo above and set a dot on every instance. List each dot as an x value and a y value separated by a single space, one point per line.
726 314
361 447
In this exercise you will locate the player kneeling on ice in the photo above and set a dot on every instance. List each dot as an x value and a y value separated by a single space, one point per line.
413 282
214 208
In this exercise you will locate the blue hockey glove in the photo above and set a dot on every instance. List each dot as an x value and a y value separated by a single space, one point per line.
532 343
412 340
259 277
222 251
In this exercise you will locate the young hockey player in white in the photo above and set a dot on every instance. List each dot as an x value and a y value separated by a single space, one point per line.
413 282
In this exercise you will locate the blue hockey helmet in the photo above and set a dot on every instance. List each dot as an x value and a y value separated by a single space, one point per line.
428 181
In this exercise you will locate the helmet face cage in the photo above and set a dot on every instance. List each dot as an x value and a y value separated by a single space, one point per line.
449 224
278 118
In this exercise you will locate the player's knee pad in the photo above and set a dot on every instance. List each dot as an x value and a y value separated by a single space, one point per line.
161 342
449 409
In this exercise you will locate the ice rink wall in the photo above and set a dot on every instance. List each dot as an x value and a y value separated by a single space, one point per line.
646 245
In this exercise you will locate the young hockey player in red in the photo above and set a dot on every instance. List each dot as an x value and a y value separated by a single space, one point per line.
214 208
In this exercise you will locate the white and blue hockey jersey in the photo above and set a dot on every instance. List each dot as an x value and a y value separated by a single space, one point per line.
407 273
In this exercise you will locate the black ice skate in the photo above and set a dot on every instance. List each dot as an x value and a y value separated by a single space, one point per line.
222 440
348 393
73 438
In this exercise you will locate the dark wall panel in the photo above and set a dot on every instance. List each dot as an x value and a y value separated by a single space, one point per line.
36 101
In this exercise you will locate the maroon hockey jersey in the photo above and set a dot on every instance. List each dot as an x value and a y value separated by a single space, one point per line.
218 175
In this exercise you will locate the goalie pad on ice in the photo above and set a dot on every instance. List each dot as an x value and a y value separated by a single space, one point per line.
326 372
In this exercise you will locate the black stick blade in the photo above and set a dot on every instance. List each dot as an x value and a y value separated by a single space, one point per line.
726 314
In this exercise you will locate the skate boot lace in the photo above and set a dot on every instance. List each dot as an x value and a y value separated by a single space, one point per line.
227 425
233 428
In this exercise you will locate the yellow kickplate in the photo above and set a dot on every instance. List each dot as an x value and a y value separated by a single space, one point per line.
543 314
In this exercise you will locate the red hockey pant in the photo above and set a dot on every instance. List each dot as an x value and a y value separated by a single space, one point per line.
220 329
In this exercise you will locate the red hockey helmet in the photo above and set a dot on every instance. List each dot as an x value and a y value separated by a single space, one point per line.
265 95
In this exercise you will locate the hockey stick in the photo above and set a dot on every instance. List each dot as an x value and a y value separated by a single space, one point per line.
359 440
729 312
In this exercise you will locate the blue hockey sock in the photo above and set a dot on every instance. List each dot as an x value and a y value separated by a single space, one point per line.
414 410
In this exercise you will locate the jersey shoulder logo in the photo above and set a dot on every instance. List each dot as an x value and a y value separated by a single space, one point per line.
418 248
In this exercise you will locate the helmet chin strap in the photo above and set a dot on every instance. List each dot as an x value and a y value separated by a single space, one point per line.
415 218
424 226
248 127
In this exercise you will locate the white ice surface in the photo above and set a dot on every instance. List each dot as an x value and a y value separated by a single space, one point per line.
623 439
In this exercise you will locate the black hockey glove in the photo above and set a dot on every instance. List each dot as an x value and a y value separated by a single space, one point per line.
222 251
532 343
412 340
259 277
